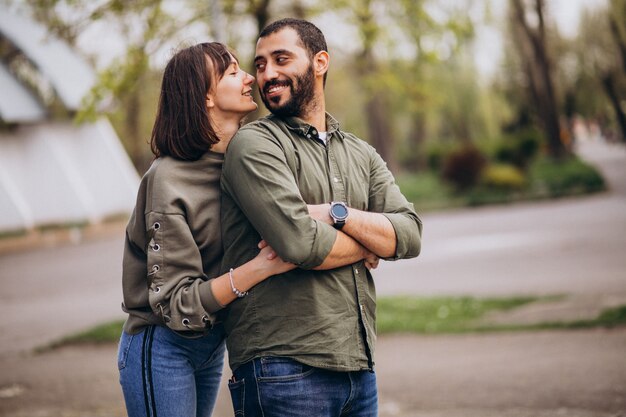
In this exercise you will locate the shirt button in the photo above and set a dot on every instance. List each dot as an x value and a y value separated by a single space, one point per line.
356 271
335 179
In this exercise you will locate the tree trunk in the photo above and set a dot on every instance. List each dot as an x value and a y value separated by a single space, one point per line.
533 50
380 131
608 82
260 13
417 158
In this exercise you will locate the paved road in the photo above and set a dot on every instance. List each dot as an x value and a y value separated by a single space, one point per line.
572 246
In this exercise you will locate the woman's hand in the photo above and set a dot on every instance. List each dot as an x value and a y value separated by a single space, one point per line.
371 261
270 261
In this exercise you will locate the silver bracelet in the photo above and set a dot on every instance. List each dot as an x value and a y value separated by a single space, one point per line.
238 293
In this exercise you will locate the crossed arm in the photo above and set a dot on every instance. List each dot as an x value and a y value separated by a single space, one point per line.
365 233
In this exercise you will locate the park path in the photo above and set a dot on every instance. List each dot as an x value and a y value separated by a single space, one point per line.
572 246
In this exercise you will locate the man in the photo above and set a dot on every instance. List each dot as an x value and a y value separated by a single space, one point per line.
302 343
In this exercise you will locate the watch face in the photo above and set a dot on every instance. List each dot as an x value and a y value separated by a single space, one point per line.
339 211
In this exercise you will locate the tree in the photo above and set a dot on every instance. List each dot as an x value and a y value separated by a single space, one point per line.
147 27
532 44
599 48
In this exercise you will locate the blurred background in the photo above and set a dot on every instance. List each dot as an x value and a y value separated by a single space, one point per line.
468 101
511 310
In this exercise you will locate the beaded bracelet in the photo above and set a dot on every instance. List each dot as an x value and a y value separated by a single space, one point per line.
238 293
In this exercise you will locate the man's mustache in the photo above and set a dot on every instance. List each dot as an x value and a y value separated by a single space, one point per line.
281 83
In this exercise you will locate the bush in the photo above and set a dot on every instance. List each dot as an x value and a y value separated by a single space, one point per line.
566 177
436 154
464 167
519 149
503 177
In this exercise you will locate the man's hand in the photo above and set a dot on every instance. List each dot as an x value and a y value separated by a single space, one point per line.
320 212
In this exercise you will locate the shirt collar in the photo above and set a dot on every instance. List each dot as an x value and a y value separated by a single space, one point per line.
300 126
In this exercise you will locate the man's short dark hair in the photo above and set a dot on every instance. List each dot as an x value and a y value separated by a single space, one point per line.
311 38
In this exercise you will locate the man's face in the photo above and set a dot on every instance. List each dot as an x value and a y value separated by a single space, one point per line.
285 73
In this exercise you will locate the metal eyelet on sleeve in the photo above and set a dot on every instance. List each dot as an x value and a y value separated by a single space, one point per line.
157 290
156 226
156 268
156 247
186 322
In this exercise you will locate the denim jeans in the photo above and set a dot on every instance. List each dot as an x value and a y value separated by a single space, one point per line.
167 375
282 387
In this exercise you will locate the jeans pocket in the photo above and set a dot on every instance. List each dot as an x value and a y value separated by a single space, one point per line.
237 394
123 349
283 369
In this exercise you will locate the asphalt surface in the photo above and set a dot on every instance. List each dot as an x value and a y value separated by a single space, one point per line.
572 247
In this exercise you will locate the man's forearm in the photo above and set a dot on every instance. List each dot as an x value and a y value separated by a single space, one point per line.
345 251
372 230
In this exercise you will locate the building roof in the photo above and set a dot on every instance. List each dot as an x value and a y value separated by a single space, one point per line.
70 76
17 104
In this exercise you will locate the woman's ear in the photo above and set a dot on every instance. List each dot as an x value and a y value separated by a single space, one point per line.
209 101
321 62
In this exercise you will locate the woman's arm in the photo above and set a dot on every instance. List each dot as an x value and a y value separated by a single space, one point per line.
263 266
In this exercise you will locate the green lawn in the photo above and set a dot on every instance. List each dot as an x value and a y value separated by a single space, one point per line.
417 315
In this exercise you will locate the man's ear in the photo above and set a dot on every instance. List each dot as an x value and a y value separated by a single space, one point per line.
321 62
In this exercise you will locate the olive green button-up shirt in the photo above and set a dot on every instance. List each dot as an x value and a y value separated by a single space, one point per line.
273 168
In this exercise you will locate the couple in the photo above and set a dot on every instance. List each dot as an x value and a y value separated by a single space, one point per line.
293 216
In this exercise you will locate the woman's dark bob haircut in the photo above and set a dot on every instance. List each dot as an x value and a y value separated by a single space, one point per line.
182 128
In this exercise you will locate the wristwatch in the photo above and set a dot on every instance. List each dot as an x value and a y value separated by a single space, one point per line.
339 213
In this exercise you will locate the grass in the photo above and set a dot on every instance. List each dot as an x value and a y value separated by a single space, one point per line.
101 334
416 315
438 315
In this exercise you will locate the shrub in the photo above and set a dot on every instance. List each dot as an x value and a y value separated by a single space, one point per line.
464 167
519 149
436 154
503 177
566 177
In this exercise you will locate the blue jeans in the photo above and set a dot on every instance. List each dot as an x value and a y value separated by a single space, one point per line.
167 375
282 387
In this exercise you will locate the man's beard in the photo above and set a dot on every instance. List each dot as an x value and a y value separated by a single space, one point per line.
301 97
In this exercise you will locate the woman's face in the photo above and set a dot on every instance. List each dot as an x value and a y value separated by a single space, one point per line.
233 93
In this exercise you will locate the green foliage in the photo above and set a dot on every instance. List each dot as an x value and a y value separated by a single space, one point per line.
503 177
500 183
520 149
427 192
463 167
555 178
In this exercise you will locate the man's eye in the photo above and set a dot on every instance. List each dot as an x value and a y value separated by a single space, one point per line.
260 66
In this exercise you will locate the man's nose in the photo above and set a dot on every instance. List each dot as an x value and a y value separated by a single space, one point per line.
270 72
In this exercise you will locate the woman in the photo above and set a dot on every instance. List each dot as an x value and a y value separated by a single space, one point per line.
171 350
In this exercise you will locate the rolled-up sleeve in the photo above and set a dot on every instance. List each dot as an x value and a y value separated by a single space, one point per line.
385 197
257 177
